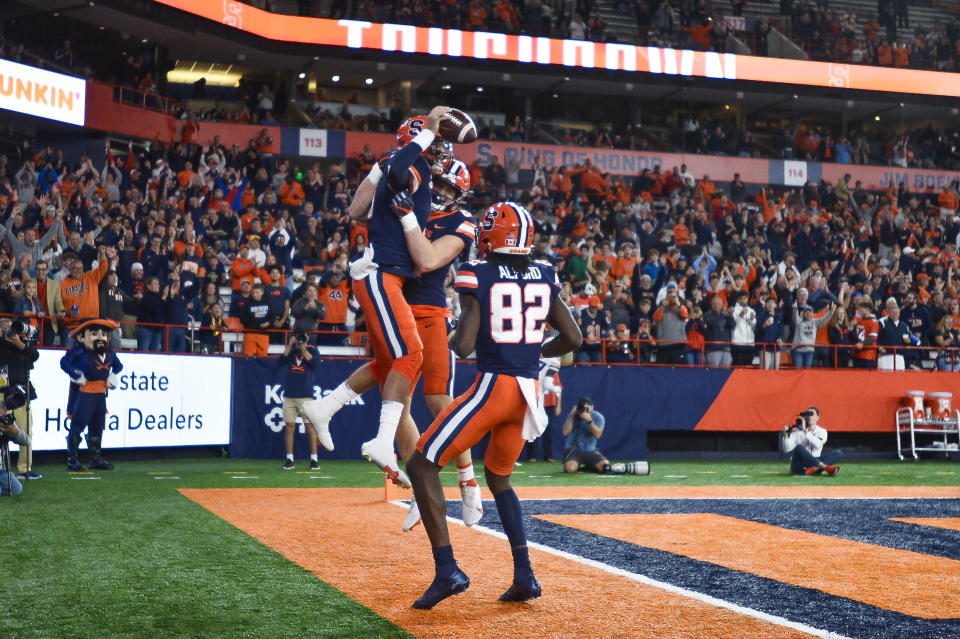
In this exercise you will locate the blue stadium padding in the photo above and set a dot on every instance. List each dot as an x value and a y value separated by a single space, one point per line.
633 400
290 141
336 144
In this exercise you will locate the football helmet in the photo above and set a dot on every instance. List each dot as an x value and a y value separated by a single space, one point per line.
411 128
450 187
440 156
505 227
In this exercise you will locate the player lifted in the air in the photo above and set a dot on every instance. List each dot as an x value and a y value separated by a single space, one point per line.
449 230
506 299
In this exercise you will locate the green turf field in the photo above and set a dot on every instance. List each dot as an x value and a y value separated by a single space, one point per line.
127 556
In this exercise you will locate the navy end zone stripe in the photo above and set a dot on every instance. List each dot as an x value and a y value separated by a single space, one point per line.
456 421
388 323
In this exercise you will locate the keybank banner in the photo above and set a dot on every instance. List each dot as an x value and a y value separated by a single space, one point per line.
162 400
41 93
258 409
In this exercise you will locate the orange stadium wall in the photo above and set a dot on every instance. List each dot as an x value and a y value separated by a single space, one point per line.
644 398
105 114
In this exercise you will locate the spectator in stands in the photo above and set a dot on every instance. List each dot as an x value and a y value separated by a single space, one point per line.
718 332
620 349
179 315
669 322
51 302
595 328
211 329
334 295
805 332
769 334
840 335
865 337
745 323
113 304
947 338
151 317
81 292
256 319
894 334
307 310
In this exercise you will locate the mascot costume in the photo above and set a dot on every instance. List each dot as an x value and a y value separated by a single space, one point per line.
92 368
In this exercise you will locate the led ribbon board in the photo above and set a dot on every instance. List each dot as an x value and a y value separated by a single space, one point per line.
482 45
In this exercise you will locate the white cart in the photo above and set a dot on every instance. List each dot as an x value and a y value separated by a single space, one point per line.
935 435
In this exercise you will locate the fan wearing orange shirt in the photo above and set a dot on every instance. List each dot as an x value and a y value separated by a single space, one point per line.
334 295
706 188
81 290
865 332
948 202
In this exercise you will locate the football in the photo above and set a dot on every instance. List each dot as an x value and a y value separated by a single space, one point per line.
458 127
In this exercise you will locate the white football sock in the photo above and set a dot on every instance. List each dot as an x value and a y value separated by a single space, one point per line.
389 419
342 395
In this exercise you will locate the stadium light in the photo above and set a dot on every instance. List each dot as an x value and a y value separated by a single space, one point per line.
335 78
368 81
301 75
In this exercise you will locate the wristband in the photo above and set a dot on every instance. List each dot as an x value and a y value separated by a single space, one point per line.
375 174
409 222
424 139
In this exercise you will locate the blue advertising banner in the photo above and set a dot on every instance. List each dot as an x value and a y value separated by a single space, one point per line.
258 409
632 399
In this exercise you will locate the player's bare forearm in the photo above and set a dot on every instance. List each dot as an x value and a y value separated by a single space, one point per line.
429 256
360 206
568 337
464 341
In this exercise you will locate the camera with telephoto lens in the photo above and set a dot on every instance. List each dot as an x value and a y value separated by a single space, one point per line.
27 332
13 398
301 339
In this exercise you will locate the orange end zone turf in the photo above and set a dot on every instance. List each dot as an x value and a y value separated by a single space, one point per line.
351 539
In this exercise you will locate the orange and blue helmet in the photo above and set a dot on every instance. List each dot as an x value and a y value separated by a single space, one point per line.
507 228
457 177
411 128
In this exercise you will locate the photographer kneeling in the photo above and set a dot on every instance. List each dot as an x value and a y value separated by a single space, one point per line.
13 398
805 438
584 426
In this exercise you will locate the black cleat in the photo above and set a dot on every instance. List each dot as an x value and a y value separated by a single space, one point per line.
74 466
441 588
99 463
287 465
522 591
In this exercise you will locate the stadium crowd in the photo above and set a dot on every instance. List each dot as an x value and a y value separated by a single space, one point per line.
663 266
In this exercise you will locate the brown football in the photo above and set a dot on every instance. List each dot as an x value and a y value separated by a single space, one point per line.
458 127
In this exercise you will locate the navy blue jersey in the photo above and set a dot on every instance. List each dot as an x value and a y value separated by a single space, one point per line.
386 235
513 312
593 329
427 290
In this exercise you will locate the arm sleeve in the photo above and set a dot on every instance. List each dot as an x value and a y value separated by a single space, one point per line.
403 160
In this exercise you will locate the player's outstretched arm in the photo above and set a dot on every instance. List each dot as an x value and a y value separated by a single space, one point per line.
360 205
464 341
568 337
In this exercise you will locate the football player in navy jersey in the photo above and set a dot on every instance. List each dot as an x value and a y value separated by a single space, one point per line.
379 277
449 230
506 300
